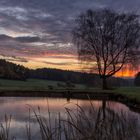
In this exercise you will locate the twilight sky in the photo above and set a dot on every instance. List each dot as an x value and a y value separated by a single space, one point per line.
37 33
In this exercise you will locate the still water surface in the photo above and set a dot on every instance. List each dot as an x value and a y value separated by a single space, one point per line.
19 107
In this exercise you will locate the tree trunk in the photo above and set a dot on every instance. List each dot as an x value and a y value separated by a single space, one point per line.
104 83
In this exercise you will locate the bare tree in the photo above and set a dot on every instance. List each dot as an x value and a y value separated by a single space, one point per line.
108 38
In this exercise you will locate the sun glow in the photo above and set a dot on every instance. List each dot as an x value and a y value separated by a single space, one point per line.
127 72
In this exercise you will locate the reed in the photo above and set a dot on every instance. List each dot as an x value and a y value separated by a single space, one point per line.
91 124
80 124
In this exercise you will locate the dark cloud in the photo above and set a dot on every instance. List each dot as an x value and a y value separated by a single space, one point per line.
17 59
28 39
60 63
23 39
14 58
36 27
5 37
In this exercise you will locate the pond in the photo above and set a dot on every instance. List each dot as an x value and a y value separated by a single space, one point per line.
84 118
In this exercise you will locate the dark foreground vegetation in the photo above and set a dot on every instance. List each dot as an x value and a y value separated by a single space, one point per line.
91 123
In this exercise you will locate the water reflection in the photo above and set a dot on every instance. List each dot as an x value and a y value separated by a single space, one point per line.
98 115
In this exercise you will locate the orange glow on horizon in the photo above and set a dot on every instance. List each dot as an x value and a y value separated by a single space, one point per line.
68 62
34 65
127 72
64 62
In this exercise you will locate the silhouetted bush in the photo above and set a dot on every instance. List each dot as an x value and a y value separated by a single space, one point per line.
137 80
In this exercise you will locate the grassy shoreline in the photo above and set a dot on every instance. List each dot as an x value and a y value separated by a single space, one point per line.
42 88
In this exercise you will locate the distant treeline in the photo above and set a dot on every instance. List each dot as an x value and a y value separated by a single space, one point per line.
10 70
75 77
137 79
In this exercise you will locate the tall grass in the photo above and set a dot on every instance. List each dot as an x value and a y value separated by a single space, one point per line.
5 129
81 124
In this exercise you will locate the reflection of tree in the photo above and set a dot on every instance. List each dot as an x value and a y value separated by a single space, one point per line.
102 124
104 108
89 123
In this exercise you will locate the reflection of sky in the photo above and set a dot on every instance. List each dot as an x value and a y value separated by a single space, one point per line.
35 32
19 109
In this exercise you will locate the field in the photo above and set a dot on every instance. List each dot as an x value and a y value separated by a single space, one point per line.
34 85
46 85
129 92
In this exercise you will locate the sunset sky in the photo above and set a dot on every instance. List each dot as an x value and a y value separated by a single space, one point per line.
37 33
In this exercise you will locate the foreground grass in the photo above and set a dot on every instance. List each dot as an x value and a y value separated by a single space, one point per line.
79 123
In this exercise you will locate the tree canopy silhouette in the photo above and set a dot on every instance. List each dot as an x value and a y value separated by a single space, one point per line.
107 38
137 79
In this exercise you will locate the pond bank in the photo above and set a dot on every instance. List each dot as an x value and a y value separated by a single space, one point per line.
132 103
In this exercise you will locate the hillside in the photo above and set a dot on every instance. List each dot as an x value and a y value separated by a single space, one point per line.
12 71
